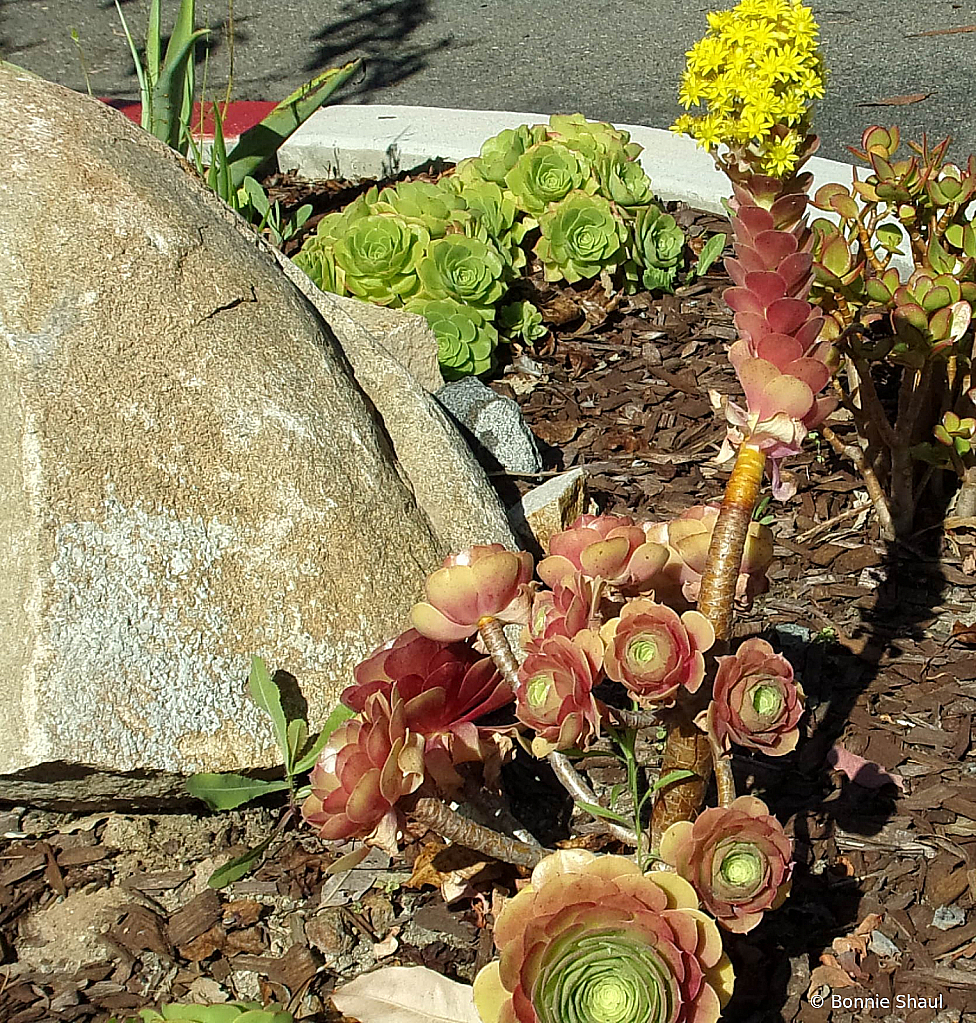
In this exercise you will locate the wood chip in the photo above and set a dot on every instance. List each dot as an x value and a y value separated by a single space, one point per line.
197 916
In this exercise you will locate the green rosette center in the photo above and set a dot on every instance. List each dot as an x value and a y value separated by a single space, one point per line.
742 867
602 977
767 700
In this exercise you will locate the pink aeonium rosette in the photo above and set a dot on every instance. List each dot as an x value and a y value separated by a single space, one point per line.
687 538
484 581
653 651
446 688
364 769
608 547
756 702
593 938
737 857
562 611
554 694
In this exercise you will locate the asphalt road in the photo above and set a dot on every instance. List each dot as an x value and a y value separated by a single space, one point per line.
618 60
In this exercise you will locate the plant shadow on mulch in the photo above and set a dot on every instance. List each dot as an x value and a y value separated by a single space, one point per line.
882 899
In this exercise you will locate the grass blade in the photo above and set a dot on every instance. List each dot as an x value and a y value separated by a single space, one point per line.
340 713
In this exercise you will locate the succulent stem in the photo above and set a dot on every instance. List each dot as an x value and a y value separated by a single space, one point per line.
724 779
571 781
496 643
687 746
873 487
633 718
729 540
451 825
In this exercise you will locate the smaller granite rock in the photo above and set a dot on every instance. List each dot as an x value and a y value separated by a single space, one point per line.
493 426
550 507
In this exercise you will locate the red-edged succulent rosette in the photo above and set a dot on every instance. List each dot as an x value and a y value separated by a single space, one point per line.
608 547
365 768
484 581
655 652
737 857
446 688
756 702
554 694
593 939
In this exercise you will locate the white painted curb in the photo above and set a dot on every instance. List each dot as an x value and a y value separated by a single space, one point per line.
364 140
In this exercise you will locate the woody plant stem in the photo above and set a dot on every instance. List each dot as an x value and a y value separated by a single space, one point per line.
687 746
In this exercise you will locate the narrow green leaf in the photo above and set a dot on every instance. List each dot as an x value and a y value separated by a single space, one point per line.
599 811
297 737
258 197
265 694
220 174
262 141
709 253
233 870
225 791
145 92
671 777
154 36
340 713
168 94
616 791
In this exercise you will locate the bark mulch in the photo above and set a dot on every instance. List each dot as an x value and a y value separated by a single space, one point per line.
103 914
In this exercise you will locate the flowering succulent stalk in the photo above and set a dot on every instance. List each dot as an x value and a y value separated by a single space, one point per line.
757 71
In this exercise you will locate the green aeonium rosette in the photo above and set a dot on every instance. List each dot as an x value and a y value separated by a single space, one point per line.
580 237
227 1012
378 255
466 340
591 939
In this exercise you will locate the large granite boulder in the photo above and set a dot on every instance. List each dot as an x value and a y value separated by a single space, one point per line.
189 472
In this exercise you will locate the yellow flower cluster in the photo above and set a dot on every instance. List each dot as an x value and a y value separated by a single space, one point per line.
757 67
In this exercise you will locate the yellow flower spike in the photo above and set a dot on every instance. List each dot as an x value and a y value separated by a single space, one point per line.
756 67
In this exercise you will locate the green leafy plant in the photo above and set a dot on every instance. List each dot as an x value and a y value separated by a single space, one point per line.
167 89
267 217
226 1012
571 192
228 790
916 207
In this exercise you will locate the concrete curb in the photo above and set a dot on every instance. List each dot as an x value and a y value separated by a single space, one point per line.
366 140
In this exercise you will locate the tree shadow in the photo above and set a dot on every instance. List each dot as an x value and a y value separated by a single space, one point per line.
829 813
380 31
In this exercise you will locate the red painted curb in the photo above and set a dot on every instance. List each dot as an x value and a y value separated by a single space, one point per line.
237 117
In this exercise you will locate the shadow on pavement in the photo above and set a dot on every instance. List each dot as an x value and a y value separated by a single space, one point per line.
380 31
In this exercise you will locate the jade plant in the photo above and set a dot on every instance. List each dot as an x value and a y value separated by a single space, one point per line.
910 208
571 195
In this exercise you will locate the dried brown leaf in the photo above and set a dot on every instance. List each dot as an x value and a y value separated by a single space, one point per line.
406 994
897 101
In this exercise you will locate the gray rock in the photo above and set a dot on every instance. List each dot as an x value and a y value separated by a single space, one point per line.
551 507
445 476
493 425
189 471
880 944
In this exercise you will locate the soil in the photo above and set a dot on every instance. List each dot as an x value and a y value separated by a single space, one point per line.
103 914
